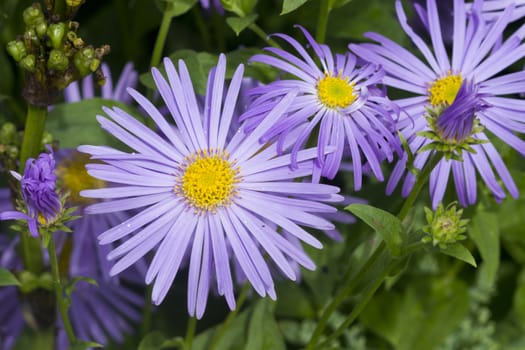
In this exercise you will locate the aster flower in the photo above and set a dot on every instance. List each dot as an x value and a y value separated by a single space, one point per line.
340 96
477 57
201 192
38 192
104 312
128 78
492 9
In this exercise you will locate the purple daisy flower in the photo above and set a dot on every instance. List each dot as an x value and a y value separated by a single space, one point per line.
477 57
340 96
128 78
38 191
492 9
202 192
216 4
104 312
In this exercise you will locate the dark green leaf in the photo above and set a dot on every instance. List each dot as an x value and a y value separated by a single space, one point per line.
152 341
291 5
459 251
233 339
238 24
74 124
484 231
241 8
385 224
7 278
179 7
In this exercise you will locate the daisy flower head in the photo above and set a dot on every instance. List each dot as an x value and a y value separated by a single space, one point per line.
339 96
458 97
202 194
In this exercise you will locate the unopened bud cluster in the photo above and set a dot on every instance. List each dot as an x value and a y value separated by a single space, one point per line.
52 54
445 225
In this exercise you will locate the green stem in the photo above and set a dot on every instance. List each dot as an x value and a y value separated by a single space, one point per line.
357 309
161 38
322 21
203 29
31 144
338 300
231 316
59 295
262 34
190 332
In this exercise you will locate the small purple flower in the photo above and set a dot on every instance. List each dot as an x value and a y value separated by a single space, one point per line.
38 192
216 4
476 57
340 97
202 192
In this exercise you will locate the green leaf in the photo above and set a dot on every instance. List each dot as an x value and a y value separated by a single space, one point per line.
385 224
459 251
175 7
74 124
152 341
83 345
242 8
291 5
8 279
263 331
484 231
238 24
233 339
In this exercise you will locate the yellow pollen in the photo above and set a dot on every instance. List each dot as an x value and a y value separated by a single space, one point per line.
444 90
208 180
335 92
73 177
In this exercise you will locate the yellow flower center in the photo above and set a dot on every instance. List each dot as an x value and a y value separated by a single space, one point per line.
73 177
208 180
444 90
335 92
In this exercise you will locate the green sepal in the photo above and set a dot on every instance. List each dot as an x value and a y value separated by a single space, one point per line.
7 278
238 24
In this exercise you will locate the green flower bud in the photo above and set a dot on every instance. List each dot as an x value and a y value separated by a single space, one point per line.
17 50
75 40
32 15
83 59
445 226
41 29
56 33
95 63
12 151
47 139
57 61
28 63
30 38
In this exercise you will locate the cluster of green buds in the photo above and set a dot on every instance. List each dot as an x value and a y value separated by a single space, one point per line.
450 148
445 225
52 54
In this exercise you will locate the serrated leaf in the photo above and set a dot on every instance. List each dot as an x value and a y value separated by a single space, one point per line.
459 251
74 124
388 226
7 278
238 24
291 5
484 231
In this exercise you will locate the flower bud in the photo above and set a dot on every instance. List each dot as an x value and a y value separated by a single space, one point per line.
56 33
32 15
28 63
57 60
74 3
75 40
8 134
445 226
17 50
41 29
82 60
